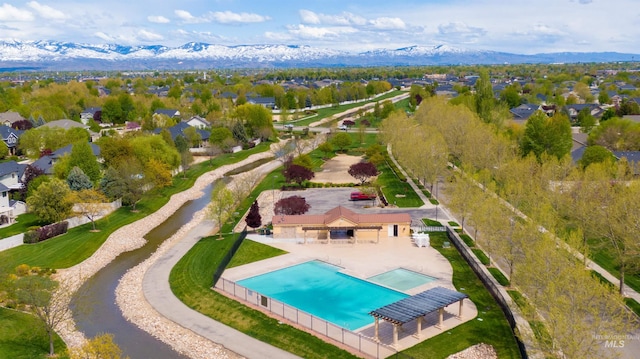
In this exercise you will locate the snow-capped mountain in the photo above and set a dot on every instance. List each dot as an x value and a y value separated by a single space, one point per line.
53 55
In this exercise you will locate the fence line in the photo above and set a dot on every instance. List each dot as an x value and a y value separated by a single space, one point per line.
227 258
489 283
362 344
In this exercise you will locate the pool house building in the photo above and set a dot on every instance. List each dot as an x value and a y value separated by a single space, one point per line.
340 224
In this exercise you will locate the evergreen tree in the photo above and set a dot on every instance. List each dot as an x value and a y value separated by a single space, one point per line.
78 180
254 220
82 156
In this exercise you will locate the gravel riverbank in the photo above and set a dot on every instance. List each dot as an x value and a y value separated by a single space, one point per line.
131 237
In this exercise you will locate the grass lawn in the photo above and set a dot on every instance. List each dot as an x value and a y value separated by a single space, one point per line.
22 224
22 337
493 329
79 243
606 259
497 274
397 192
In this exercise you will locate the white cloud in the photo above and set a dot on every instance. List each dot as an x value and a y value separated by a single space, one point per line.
187 17
146 35
158 19
313 32
459 32
228 17
388 23
11 13
104 36
343 19
46 12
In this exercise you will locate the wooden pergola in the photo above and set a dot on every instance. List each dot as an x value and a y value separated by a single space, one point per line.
417 306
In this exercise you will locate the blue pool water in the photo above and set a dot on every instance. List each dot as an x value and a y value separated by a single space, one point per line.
401 279
319 289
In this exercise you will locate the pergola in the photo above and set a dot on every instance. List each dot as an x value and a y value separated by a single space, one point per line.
417 306
355 228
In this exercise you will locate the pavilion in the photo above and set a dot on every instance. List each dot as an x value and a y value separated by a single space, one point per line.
416 307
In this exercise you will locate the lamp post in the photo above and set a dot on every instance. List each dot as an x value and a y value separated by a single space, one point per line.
273 191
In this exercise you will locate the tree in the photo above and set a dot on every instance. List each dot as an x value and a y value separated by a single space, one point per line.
30 173
50 202
219 135
341 140
133 183
112 184
186 158
547 135
157 173
297 174
362 171
484 97
82 156
98 347
595 154
90 203
291 206
254 220
78 180
43 297
586 120
112 111
4 151
192 136
222 204
326 148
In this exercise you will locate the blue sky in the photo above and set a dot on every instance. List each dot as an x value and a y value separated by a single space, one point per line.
518 26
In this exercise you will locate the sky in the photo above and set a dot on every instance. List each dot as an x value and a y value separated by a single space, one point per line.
525 27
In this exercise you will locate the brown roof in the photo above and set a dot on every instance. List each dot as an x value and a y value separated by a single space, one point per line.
341 212
10 116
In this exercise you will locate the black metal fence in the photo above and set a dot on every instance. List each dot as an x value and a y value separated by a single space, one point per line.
488 282
227 258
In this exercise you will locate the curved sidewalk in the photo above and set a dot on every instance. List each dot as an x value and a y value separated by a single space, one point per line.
157 291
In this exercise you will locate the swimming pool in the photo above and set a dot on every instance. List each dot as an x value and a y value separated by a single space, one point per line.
318 288
401 279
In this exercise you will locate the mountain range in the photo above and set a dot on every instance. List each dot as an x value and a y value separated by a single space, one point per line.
66 56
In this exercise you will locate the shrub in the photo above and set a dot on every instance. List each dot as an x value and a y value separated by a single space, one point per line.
467 240
45 232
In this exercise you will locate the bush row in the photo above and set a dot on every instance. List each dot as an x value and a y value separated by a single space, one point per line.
43 233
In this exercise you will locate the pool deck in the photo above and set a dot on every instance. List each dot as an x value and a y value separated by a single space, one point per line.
364 260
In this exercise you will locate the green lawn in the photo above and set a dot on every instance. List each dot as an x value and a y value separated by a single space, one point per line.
79 243
22 337
497 274
606 259
21 225
493 329
396 191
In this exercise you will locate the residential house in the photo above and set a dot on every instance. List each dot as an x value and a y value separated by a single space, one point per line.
198 122
632 157
171 113
91 113
9 117
574 110
11 173
46 163
341 223
67 124
10 138
178 130
524 111
268 102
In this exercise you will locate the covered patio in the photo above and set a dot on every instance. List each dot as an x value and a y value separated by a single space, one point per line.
417 307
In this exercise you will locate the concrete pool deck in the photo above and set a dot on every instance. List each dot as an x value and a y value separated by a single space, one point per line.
364 260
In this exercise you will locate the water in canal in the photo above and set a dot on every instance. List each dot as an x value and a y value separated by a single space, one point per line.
99 312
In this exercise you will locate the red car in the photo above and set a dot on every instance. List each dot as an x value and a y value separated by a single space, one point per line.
359 196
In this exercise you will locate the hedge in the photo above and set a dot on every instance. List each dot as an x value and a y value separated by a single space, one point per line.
45 232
